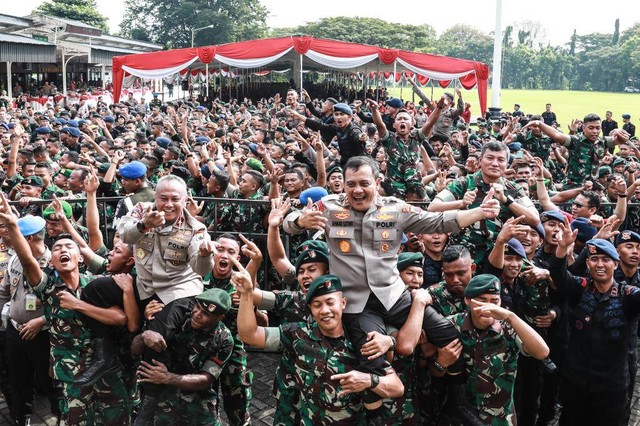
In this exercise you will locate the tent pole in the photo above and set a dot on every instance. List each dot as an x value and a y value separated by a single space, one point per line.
394 75
206 79
378 82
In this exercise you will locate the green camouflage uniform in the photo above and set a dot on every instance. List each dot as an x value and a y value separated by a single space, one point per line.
539 146
241 217
107 401
236 377
491 359
632 221
480 237
403 158
445 302
51 190
194 352
402 411
584 157
311 359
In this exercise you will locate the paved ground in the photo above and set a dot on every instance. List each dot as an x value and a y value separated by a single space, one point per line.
263 403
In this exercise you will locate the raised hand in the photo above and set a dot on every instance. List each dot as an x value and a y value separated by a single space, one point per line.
311 219
279 210
152 218
490 206
241 279
250 249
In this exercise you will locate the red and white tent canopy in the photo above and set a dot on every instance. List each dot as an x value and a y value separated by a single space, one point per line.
312 54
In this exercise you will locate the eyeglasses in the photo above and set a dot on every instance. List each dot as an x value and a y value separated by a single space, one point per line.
578 204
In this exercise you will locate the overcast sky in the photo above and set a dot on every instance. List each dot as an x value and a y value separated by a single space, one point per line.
558 17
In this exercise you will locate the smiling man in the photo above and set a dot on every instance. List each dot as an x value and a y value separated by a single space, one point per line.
173 252
364 233
469 191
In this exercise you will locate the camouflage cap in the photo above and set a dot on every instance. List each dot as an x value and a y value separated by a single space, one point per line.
482 284
322 285
215 301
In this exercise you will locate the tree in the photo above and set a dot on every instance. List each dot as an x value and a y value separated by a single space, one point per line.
372 31
79 10
169 22
467 42
616 33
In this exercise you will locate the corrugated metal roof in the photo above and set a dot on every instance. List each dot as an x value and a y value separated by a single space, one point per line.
12 38
40 52
145 44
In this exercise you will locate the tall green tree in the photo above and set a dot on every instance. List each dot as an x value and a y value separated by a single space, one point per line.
372 31
616 32
170 22
467 42
79 10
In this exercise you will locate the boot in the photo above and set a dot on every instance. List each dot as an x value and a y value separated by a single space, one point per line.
459 406
103 361
146 411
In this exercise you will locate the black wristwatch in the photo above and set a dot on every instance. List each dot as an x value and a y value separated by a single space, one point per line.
394 343
439 367
375 380
509 201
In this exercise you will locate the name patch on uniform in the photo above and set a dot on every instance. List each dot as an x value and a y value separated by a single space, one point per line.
342 223
341 215
345 246
385 224
175 245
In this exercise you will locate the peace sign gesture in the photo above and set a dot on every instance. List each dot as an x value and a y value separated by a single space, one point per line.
6 215
241 279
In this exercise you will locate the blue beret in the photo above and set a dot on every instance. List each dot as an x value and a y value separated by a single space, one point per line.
60 121
515 146
585 231
477 144
163 142
404 238
109 119
627 237
202 139
314 194
600 246
551 215
42 130
133 170
253 148
73 131
200 108
11 126
72 123
482 284
515 247
342 107
394 102
5 125
205 171
539 229
82 122
30 225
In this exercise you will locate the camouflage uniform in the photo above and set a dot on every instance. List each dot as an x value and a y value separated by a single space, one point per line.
236 378
584 157
403 158
49 191
107 401
479 237
538 146
195 352
445 302
311 359
242 217
633 215
402 411
491 359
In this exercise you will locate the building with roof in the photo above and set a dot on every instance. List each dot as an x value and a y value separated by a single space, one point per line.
40 48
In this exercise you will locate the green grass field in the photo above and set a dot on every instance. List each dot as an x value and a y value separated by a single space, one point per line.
566 104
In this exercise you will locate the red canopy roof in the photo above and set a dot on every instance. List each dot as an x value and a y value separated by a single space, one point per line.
313 53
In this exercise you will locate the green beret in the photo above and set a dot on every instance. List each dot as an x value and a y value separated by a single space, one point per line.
408 259
215 301
33 181
312 251
482 284
618 161
322 285
604 170
49 212
255 164
64 172
103 168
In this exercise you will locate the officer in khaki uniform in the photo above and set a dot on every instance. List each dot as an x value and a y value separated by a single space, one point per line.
364 232
27 332
173 252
